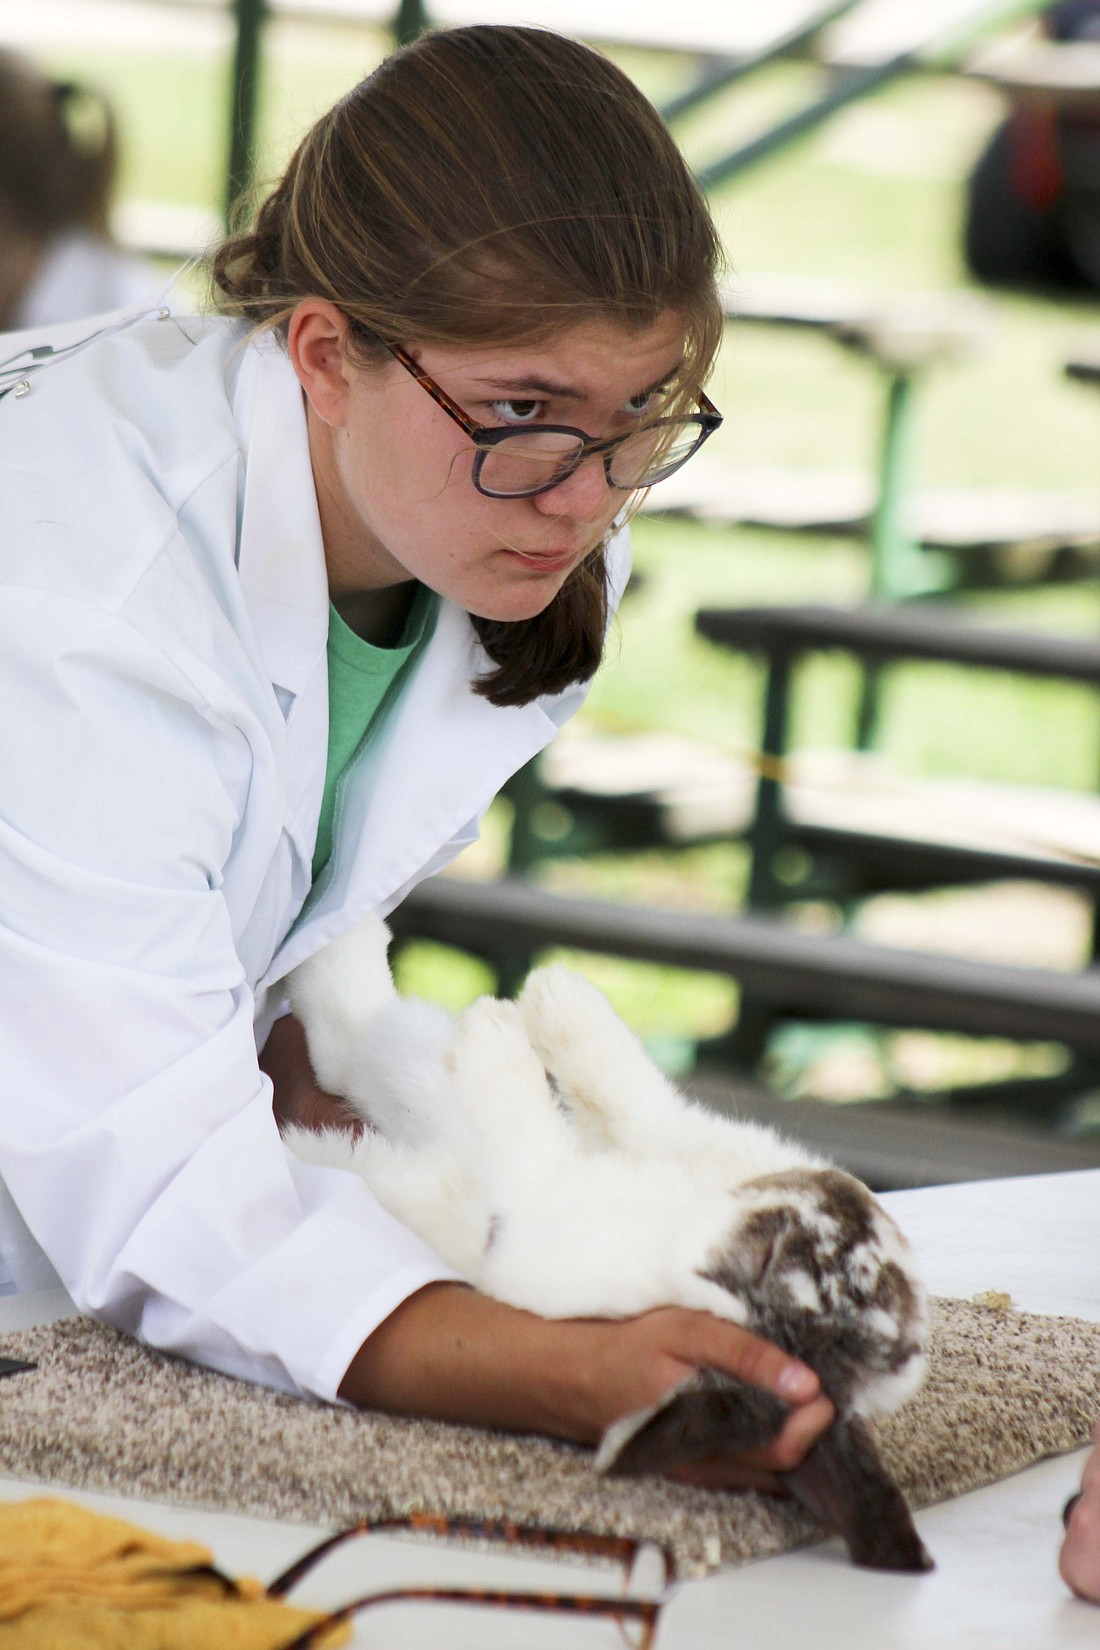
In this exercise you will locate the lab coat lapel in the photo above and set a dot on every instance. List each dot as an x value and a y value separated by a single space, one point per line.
282 568
437 764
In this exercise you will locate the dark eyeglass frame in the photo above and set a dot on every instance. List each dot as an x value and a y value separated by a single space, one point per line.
485 436
623 1550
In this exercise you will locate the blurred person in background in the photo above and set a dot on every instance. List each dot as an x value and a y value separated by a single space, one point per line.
58 165
1033 197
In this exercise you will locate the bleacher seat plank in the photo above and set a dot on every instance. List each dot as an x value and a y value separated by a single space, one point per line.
1084 361
1066 72
795 972
734 28
880 633
880 30
897 1143
899 329
697 793
1008 522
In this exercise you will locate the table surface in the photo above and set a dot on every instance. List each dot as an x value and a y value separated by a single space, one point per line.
995 1586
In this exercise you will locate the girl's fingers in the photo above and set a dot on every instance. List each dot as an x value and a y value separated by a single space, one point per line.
761 1469
712 1343
801 1431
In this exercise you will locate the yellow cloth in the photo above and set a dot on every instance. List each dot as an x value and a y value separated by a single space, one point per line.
71 1579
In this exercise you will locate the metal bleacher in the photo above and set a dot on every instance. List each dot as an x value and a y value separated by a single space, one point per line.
888 1145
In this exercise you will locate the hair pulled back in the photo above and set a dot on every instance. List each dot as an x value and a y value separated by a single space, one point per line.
58 153
490 185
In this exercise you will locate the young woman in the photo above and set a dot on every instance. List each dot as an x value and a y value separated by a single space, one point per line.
58 162
287 593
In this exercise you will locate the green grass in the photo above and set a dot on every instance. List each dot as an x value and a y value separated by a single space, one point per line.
874 198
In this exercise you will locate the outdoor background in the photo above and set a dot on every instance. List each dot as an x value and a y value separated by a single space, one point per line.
874 198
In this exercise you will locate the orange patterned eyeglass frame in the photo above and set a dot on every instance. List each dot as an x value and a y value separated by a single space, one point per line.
485 437
625 1610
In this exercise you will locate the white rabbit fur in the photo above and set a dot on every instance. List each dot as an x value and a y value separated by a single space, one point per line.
537 1148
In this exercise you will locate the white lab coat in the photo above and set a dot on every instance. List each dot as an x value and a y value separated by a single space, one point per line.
163 731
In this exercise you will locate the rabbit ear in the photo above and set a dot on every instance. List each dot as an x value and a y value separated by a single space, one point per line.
843 1482
708 1415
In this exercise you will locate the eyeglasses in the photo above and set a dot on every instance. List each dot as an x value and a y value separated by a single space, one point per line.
636 1616
521 463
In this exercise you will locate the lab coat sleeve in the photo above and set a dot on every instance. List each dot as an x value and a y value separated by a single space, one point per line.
136 1131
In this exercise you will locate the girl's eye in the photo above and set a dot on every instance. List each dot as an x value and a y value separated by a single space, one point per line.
646 401
517 412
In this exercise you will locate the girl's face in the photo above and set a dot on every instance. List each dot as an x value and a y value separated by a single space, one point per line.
393 471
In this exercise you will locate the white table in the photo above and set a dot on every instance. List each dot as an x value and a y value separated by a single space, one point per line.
995 1587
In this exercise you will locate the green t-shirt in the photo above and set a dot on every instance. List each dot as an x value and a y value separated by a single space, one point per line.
362 682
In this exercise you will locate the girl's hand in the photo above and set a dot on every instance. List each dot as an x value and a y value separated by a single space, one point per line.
660 1349
452 1354
298 1099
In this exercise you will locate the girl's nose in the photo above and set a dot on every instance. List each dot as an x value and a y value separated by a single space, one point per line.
584 496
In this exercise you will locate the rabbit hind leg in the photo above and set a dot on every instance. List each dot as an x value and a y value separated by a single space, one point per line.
616 1095
501 1086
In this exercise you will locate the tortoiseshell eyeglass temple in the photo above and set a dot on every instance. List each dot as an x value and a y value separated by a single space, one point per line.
637 1617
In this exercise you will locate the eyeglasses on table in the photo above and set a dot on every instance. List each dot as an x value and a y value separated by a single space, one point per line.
636 1616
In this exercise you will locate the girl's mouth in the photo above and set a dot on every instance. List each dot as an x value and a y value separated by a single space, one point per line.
550 561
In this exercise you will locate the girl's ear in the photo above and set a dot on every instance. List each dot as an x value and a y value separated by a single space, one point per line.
317 345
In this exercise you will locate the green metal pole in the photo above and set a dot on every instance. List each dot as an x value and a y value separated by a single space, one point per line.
410 22
766 831
900 569
894 574
892 549
240 172
745 1044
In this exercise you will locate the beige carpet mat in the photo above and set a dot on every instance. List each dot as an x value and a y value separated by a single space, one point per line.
104 1413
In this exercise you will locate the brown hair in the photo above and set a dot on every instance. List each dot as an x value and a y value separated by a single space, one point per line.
58 152
490 184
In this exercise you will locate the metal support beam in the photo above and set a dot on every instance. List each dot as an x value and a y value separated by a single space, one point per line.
410 22
850 84
727 71
251 16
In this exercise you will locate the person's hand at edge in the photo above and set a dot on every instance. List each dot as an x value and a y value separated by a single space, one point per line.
1079 1560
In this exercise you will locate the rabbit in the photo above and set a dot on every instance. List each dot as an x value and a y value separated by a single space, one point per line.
539 1150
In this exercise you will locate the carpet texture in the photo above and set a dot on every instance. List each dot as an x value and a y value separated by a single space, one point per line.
104 1413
